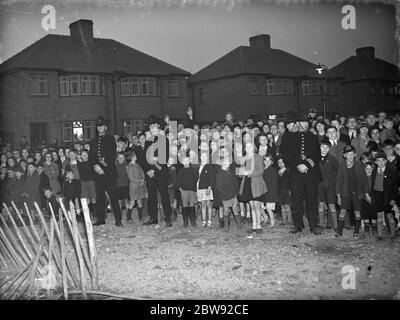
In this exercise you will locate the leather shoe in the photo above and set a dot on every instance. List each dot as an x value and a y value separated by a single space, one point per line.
99 223
150 222
119 224
296 230
315 231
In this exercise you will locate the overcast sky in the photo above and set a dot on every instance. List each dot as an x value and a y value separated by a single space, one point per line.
193 36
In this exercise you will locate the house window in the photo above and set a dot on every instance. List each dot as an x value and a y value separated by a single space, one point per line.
201 91
148 86
64 86
38 84
86 85
173 88
133 125
89 130
331 86
253 87
95 85
75 85
77 130
135 86
312 87
280 87
372 88
67 131
125 87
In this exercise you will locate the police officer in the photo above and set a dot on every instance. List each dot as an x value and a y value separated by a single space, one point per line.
102 156
301 153
156 171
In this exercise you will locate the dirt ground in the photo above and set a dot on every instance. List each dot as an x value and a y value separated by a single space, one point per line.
200 263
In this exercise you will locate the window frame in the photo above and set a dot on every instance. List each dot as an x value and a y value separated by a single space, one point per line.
177 88
280 87
67 85
34 79
79 93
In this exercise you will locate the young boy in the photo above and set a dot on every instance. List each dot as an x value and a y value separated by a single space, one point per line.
86 173
71 188
227 186
51 200
186 181
384 192
326 189
368 214
270 176
388 132
123 185
351 187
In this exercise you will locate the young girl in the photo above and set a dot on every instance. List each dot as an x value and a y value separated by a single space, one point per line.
270 176
137 185
284 192
204 188
252 187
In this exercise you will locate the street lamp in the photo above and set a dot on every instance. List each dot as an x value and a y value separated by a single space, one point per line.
320 68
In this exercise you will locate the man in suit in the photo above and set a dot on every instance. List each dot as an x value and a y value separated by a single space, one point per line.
351 125
102 157
301 153
157 174
342 137
336 146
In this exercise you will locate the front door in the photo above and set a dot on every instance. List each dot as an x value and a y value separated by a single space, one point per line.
38 134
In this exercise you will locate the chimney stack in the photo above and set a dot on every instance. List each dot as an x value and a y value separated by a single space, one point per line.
262 41
366 52
82 30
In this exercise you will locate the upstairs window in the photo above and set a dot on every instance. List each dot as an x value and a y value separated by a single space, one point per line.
312 87
173 88
85 85
280 87
253 87
38 84
136 86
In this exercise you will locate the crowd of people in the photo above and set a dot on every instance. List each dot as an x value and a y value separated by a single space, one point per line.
339 171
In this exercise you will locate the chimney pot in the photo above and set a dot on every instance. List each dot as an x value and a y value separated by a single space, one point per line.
366 52
262 41
82 30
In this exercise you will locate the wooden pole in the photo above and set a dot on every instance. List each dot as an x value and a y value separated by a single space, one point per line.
12 253
51 240
62 252
21 239
32 271
79 253
91 242
70 273
16 278
14 244
83 248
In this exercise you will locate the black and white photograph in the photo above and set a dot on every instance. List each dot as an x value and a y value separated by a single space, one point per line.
193 156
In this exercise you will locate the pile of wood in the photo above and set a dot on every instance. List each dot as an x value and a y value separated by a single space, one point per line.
46 257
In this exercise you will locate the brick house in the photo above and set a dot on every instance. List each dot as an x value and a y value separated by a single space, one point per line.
258 80
370 83
58 86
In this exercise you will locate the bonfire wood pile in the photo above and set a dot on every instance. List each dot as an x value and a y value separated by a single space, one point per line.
46 256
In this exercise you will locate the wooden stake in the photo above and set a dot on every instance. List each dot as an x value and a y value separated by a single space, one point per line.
91 242
35 261
79 253
16 278
16 250
62 252
21 239
70 273
11 252
51 240
83 247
